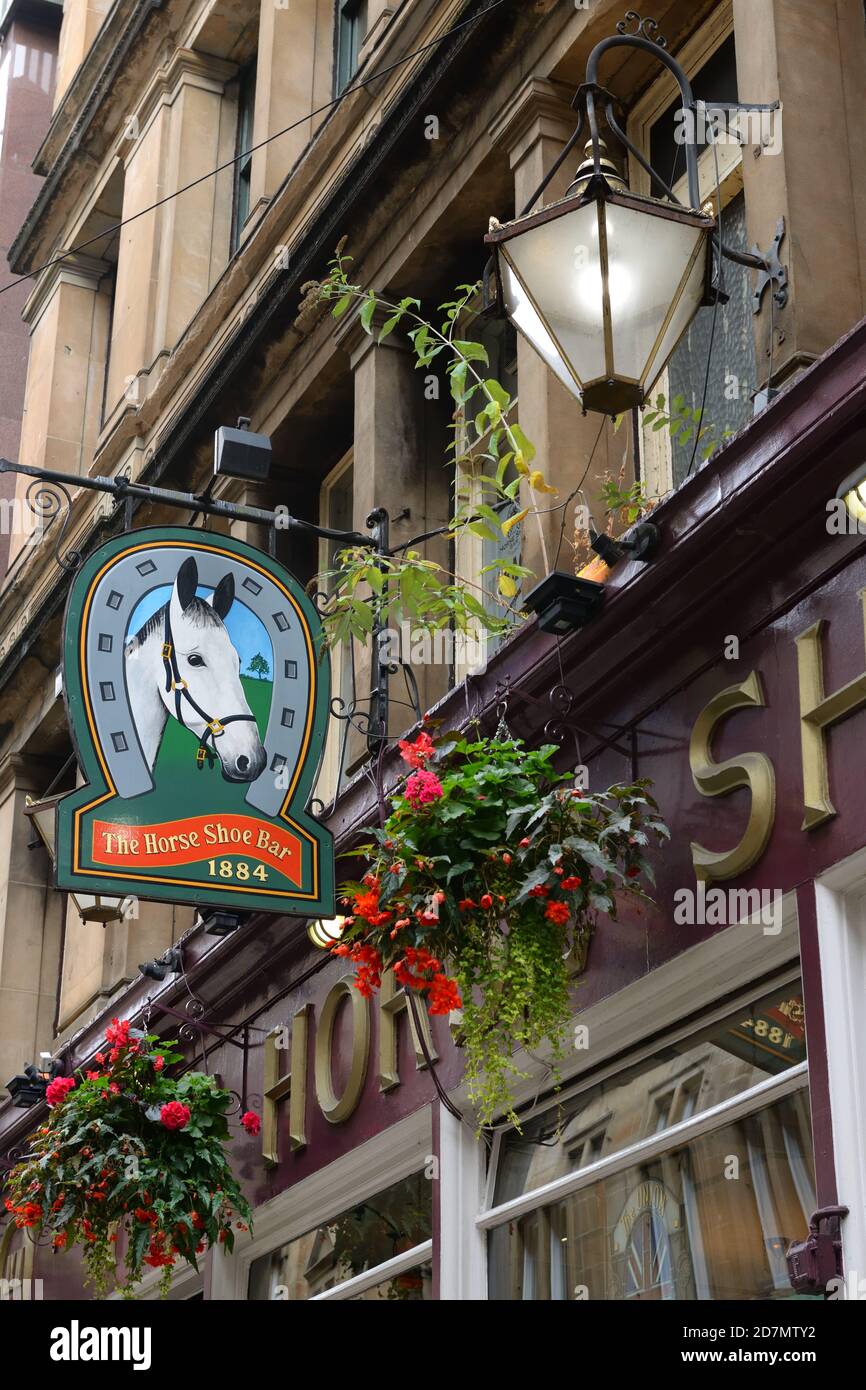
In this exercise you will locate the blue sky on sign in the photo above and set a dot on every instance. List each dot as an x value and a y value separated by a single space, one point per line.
247 631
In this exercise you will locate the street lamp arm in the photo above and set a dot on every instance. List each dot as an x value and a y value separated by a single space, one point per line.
122 488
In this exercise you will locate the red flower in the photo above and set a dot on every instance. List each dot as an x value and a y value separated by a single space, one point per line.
506 858
419 753
100 1058
422 788
158 1063
633 871
59 1240
58 1089
156 1256
539 891
367 906
444 995
117 1033
486 901
198 1221
149 1218
466 904
558 913
571 883
174 1115
416 964
251 1122
525 842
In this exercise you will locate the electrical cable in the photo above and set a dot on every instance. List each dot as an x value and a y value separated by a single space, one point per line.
244 154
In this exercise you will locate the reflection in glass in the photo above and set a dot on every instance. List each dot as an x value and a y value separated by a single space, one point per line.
413 1286
360 1238
709 1220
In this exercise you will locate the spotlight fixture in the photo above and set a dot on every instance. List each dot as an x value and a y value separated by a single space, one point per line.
642 543
218 923
168 963
853 493
28 1088
238 453
326 932
564 603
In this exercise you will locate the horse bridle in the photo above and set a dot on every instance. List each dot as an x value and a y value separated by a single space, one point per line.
174 682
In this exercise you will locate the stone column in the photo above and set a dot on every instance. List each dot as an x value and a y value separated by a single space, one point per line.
68 315
169 259
82 20
30 922
400 463
533 127
808 167
293 78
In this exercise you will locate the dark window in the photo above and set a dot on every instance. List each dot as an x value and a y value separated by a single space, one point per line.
351 30
716 81
244 163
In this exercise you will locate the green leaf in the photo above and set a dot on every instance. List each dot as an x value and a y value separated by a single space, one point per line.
367 313
342 305
472 352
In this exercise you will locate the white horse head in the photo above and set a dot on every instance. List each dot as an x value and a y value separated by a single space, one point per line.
208 671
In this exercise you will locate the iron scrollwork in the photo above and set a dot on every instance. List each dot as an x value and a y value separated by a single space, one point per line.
644 28
46 501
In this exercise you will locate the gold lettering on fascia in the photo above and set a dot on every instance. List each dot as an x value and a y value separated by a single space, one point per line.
751 770
336 1108
392 1001
277 1086
818 713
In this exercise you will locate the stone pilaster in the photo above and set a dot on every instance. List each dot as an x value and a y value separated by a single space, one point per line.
533 127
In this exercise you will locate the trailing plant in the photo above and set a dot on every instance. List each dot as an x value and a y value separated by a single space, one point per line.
682 423
131 1152
489 870
488 446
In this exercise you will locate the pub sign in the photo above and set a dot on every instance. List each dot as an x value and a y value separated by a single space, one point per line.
197 692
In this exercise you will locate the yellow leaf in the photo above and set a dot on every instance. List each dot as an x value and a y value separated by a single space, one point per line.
512 521
520 464
537 483
507 586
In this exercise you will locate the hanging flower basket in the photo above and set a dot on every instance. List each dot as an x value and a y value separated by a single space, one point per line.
491 869
128 1149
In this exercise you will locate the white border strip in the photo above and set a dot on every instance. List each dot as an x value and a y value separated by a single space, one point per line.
371 1277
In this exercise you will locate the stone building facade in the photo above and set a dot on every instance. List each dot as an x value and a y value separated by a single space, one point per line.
190 315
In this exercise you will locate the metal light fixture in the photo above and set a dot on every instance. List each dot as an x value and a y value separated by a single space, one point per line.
604 283
218 923
641 543
853 492
168 963
563 602
326 932
238 453
90 907
28 1088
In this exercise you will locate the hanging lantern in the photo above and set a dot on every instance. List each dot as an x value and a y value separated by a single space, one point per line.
604 283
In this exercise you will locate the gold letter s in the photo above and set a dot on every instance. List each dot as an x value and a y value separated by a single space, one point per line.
752 770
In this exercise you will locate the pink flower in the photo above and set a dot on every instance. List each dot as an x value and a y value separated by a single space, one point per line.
158 1063
174 1115
58 1089
251 1122
422 788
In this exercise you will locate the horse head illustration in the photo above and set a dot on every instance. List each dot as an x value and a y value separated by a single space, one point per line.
183 663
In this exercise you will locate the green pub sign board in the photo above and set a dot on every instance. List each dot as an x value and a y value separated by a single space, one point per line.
197 692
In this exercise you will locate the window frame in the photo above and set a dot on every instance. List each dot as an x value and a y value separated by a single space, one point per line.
656 462
348 40
654 1145
244 140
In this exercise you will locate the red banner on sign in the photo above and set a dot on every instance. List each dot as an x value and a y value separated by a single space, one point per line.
196 839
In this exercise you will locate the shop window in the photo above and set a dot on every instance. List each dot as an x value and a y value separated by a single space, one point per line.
700 1203
243 168
710 61
351 31
354 1248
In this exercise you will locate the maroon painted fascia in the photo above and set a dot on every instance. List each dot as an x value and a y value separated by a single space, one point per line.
723 525
826 1191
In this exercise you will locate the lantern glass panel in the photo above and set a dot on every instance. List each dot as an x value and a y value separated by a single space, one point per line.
649 259
559 266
